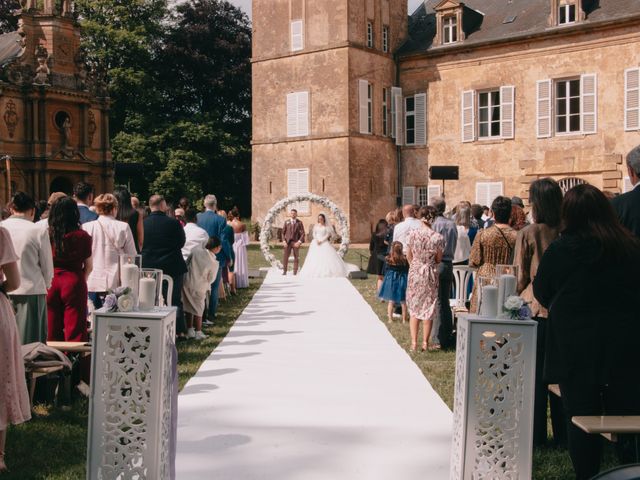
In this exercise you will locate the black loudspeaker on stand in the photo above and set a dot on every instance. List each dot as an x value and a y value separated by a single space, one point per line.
444 173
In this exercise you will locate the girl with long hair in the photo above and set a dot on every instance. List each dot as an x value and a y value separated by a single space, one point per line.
72 262
377 250
394 285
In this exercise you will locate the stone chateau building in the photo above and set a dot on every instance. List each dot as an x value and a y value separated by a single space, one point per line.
54 115
354 100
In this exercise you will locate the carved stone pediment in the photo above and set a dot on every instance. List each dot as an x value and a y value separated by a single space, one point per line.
70 156
447 5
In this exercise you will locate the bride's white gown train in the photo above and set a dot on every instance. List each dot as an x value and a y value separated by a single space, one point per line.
322 259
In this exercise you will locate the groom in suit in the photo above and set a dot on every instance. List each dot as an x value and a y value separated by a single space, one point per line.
627 206
293 238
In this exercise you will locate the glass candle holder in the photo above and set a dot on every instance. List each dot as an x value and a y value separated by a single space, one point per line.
488 300
507 282
130 267
150 284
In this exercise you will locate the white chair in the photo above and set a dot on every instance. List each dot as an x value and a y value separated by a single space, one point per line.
462 275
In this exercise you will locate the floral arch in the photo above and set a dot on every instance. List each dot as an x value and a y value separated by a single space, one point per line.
265 232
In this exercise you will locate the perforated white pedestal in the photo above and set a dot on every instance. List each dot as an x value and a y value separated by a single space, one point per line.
493 405
130 403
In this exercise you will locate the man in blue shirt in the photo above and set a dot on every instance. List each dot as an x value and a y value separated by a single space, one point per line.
83 194
447 228
214 225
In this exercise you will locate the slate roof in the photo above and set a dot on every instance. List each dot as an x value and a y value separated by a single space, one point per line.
531 17
10 47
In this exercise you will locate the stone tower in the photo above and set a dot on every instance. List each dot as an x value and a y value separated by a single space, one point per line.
323 120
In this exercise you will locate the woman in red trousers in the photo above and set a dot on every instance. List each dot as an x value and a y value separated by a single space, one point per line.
67 297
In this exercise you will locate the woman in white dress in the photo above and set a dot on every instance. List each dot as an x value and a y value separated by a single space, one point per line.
322 259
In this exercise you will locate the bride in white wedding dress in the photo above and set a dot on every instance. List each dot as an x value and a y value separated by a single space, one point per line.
322 259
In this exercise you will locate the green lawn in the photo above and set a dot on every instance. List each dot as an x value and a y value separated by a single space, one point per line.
53 445
439 368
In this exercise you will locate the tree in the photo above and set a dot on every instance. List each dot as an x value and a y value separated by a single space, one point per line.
8 19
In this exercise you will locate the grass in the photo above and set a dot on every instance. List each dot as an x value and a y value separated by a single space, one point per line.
439 368
53 445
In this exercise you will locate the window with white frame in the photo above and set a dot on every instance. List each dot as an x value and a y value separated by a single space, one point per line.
297 35
632 99
298 184
385 112
410 120
365 106
298 114
567 106
426 194
385 39
370 34
489 114
415 119
567 13
449 29
408 195
486 192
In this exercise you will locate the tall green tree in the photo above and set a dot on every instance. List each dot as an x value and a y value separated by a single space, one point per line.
8 19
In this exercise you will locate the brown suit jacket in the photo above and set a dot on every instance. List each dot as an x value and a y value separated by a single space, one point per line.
293 231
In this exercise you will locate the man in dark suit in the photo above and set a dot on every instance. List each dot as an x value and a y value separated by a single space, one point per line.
627 206
162 249
293 238
83 193
214 225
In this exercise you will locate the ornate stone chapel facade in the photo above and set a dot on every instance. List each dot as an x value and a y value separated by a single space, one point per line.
355 100
54 115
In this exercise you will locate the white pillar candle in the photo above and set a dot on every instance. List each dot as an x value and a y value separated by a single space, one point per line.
489 301
506 288
130 277
147 293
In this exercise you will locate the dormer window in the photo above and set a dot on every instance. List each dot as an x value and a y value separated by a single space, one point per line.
449 29
567 13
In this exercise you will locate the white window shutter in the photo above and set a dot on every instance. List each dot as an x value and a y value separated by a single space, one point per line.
363 96
398 101
589 103
297 36
627 187
482 193
298 184
408 195
543 109
292 115
507 102
303 113
468 116
632 99
420 102
495 190
395 92
433 191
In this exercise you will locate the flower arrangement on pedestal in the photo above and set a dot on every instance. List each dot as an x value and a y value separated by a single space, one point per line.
119 300
265 231
515 308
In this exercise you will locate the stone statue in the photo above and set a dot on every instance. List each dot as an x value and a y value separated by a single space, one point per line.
67 7
27 5
42 71
66 135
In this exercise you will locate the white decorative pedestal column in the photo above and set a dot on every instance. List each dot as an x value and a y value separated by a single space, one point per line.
493 404
130 414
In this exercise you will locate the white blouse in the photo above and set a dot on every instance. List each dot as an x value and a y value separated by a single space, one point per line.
463 246
110 239
32 245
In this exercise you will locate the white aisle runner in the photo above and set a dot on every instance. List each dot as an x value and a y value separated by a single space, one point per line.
308 385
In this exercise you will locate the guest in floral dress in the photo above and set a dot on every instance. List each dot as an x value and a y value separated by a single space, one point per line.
425 249
14 399
493 245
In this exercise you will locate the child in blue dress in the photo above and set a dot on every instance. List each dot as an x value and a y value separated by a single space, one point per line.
394 285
